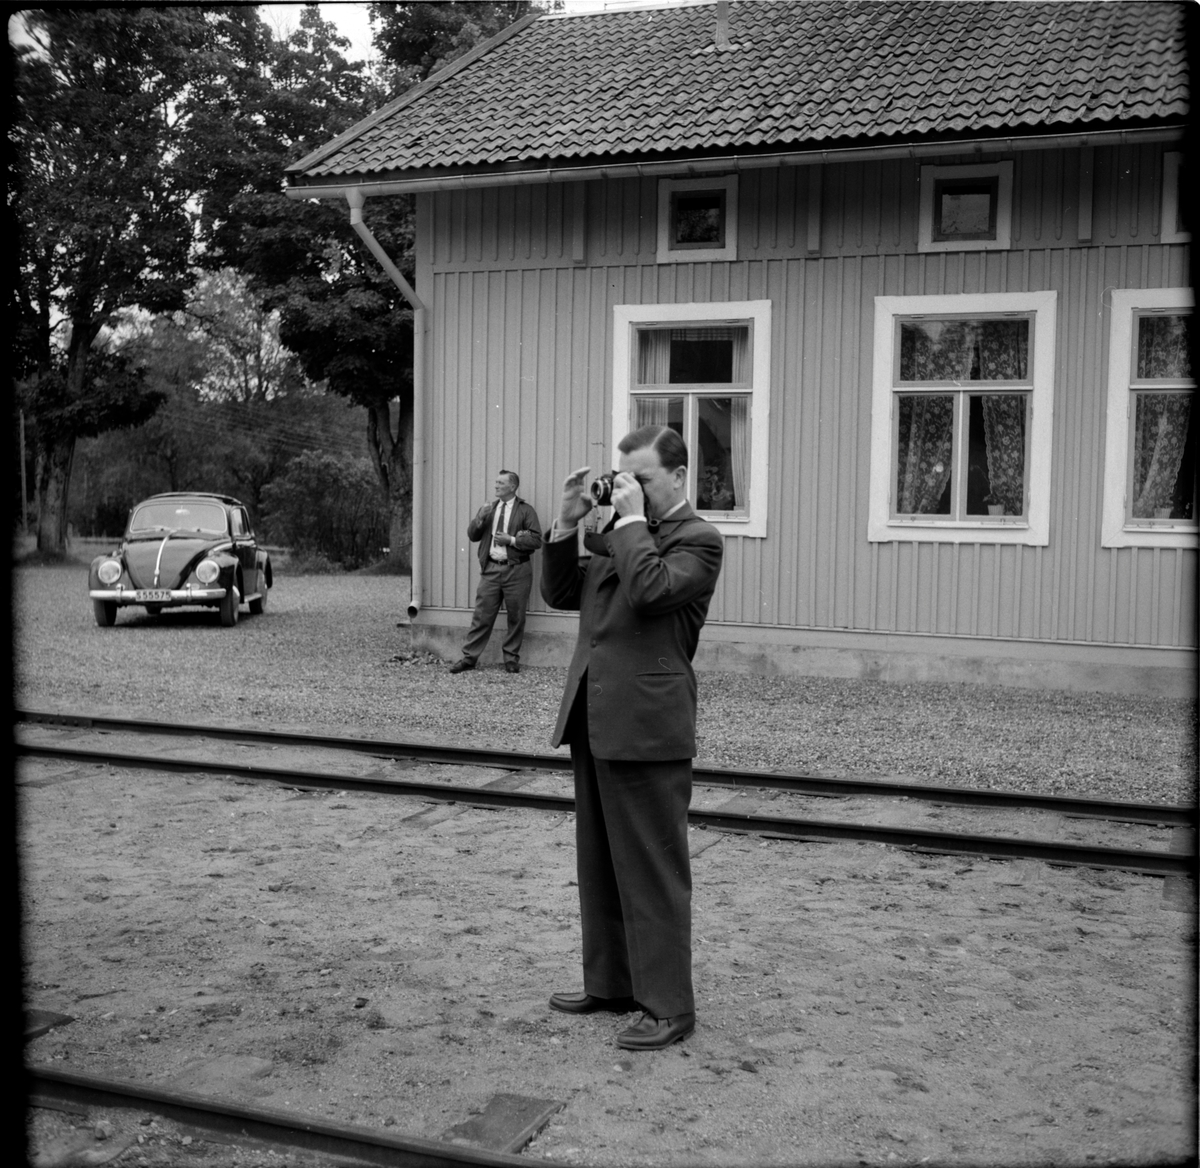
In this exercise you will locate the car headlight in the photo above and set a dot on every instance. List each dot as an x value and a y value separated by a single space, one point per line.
109 572
207 571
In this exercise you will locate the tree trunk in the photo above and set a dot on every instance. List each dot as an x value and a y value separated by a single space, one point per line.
54 480
392 455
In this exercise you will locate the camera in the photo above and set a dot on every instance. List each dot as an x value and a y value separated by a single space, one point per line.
602 489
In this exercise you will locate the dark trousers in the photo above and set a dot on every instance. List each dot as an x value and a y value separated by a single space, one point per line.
510 583
635 880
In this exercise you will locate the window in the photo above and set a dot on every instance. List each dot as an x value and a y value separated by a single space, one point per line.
965 208
697 219
1150 444
1174 229
703 370
960 421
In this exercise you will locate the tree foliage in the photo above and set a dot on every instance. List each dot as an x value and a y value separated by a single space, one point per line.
418 38
151 143
108 146
328 507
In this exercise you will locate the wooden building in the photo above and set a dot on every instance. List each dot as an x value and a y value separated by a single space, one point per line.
912 279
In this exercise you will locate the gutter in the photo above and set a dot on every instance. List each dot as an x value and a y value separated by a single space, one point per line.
354 197
726 163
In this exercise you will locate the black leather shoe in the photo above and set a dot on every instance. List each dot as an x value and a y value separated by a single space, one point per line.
587 1004
650 1033
462 666
511 667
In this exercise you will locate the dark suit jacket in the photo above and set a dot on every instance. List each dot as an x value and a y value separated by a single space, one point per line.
641 609
523 526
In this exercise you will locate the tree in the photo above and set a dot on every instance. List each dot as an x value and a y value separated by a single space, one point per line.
340 313
418 38
349 326
237 409
110 144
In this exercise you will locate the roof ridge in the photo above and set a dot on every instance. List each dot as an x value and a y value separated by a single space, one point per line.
411 95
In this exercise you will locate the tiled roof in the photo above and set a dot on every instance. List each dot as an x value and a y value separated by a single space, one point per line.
632 84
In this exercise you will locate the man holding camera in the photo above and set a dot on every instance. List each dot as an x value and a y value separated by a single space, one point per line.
629 715
508 533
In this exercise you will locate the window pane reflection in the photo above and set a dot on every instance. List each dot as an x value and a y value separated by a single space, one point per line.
722 453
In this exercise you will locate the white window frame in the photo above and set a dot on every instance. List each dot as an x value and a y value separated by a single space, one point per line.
627 318
667 254
1003 171
1172 162
1117 530
1034 528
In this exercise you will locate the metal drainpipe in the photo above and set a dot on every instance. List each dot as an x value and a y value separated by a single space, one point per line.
354 197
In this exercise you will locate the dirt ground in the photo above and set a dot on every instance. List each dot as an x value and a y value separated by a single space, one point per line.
386 962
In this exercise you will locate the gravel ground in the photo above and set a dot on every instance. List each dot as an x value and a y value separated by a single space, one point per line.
328 655
858 1004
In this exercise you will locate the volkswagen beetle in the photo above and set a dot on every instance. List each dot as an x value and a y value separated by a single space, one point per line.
181 550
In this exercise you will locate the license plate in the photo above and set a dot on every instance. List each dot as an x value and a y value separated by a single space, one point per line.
152 595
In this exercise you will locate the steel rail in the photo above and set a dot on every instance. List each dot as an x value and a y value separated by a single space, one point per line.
803 784
1152 862
281 1128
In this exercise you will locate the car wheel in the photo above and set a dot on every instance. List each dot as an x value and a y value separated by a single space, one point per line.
106 613
259 606
229 607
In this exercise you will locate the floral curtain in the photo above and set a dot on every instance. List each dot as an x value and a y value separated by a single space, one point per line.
1159 443
926 435
964 350
1004 432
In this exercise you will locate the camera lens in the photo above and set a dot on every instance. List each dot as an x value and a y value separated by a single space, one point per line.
602 490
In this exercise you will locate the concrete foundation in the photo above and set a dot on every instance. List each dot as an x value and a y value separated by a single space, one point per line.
784 652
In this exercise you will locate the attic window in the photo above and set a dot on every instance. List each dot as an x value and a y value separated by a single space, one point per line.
697 219
966 208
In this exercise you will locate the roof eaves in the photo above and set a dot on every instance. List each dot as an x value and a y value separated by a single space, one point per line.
411 95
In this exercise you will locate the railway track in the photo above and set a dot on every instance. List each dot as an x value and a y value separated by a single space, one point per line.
345 1144
501 793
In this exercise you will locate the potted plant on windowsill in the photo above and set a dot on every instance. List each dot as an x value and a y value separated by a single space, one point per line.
994 506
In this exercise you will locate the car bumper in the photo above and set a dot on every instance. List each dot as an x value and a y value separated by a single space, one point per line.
188 594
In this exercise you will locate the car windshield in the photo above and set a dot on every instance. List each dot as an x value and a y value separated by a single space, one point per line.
159 518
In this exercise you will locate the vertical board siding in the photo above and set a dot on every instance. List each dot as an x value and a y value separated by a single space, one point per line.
521 352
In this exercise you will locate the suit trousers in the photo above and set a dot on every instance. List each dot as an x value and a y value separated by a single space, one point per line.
635 881
511 583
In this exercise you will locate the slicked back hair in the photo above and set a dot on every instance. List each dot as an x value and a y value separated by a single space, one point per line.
512 474
672 451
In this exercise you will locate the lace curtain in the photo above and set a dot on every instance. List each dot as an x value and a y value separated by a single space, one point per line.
740 448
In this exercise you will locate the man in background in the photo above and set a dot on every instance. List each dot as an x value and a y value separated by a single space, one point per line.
508 534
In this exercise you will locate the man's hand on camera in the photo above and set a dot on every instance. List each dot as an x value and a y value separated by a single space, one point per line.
575 503
627 497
